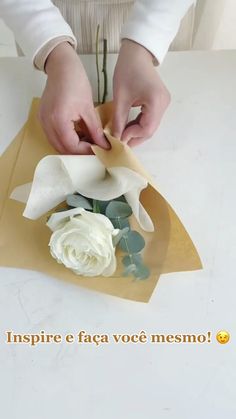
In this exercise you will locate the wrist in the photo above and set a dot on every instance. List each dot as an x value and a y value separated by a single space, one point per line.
131 47
59 57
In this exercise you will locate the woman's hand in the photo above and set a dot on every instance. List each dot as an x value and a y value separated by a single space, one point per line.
137 83
68 98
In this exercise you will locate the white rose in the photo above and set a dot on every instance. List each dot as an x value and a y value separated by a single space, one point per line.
82 241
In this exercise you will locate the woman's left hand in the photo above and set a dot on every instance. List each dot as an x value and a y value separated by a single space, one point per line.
137 83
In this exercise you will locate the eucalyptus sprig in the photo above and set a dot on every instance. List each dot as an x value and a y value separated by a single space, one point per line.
129 241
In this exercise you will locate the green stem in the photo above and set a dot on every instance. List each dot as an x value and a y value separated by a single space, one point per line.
104 70
96 208
130 254
97 62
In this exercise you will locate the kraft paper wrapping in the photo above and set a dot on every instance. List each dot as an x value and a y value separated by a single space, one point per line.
24 242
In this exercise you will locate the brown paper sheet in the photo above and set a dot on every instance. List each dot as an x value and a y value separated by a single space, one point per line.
24 243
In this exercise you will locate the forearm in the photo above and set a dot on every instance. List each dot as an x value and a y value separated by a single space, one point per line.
34 23
154 24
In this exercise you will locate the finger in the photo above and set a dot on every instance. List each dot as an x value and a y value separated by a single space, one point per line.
146 124
134 121
53 139
86 139
81 129
120 117
94 127
134 142
67 136
83 136
84 148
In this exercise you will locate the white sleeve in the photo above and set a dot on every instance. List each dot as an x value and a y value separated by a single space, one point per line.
34 23
154 24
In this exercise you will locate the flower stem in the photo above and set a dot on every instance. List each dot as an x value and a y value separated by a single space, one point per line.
97 62
104 70
96 208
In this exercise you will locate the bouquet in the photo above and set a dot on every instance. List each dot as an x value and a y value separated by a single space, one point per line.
97 221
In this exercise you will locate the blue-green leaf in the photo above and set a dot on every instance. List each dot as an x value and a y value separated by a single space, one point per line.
78 201
118 209
120 198
132 242
120 223
118 237
102 206
142 272
129 270
132 259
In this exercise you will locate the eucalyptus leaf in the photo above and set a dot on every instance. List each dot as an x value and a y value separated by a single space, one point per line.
129 270
102 206
142 272
120 198
118 209
118 237
76 201
120 223
135 259
132 242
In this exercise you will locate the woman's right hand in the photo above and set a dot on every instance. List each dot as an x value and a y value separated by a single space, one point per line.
67 98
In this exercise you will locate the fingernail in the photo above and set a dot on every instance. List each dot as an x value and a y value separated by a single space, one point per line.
107 145
105 142
101 139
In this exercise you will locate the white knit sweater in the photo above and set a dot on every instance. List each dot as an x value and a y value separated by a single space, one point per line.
38 23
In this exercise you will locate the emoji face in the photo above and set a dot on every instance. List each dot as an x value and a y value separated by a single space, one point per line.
223 336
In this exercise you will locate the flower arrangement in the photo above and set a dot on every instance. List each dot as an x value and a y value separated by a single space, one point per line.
85 236
91 186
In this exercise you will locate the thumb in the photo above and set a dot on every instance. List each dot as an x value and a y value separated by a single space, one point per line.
94 127
143 127
120 118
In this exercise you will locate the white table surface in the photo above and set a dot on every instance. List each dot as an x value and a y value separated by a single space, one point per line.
192 158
